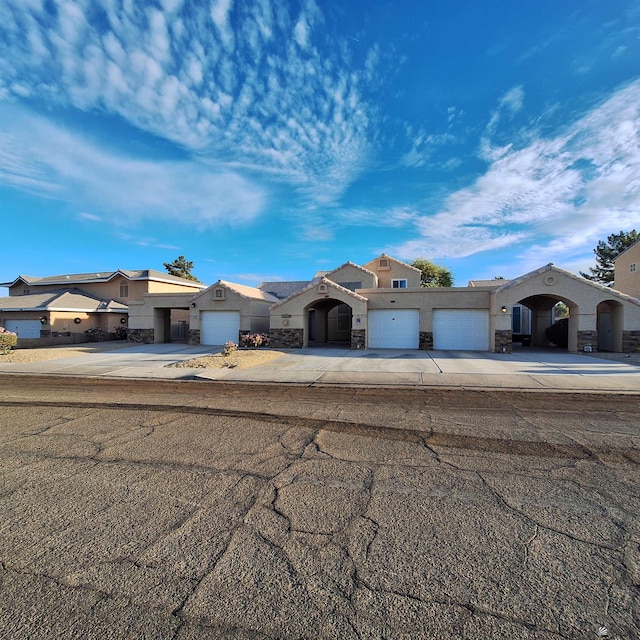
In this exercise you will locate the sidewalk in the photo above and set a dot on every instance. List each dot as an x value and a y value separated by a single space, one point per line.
531 370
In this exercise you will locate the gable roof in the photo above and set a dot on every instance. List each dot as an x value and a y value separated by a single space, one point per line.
244 291
61 300
315 283
386 257
495 282
105 276
327 274
551 267
283 289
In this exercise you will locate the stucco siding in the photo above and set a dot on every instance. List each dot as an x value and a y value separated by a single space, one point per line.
626 280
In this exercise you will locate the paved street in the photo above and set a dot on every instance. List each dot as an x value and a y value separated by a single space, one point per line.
163 509
525 369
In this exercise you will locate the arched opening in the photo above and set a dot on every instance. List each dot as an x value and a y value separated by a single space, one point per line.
329 323
610 323
550 324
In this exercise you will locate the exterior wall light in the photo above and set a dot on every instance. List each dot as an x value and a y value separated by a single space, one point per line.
504 309
77 321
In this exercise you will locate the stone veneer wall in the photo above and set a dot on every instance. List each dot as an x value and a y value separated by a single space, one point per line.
587 338
631 341
141 336
194 337
426 341
358 339
287 338
504 341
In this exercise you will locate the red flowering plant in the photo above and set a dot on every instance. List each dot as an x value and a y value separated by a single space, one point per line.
255 340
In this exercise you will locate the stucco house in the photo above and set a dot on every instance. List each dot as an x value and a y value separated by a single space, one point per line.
220 313
627 271
381 305
58 309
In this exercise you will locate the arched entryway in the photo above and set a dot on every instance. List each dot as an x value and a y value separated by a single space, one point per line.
547 329
329 323
610 323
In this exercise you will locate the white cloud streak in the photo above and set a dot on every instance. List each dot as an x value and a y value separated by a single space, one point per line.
568 191
118 188
236 81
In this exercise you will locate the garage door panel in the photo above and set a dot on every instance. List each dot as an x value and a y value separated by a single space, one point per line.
24 328
394 329
218 327
461 329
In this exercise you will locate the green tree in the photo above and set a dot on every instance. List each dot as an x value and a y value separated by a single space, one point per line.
180 267
433 275
606 253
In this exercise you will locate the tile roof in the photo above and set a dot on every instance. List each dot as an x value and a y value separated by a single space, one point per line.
495 282
61 300
284 289
248 292
105 276
314 283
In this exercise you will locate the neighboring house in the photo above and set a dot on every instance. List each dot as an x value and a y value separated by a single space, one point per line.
59 313
627 271
220 313
61 308
382 305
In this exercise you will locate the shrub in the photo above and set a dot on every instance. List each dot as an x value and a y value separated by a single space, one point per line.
8 340
229 347
95 334
121 332
255 340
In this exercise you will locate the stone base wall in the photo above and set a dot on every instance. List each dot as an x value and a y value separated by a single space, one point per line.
426 341
587 339
631 341
358 338
194 337
504 341
287 338
140 336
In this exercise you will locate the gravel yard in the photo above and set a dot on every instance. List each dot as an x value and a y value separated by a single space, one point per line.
240 359
27 356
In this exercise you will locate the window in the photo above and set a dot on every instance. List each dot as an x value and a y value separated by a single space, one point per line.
219 294
633 267
399 283
124 290
516 320
26 292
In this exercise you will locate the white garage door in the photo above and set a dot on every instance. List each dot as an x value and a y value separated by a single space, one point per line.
394 329
218 327
24 328
461 329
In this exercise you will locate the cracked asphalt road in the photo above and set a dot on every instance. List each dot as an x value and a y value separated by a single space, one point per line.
146 509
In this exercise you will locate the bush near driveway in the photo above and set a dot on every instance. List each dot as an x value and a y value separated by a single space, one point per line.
8 340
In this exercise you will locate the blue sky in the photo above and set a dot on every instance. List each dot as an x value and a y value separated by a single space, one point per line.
268 140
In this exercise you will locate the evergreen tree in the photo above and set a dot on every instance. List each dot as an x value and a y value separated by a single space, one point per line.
180 267
606 253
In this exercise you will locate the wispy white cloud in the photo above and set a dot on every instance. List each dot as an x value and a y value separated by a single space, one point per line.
567 191
118 187
233 81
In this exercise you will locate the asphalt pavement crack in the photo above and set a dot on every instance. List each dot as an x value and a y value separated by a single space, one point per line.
503 501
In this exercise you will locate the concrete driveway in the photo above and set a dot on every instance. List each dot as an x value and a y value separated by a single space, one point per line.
528 369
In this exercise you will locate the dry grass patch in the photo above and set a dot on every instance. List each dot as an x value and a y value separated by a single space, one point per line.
240 359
